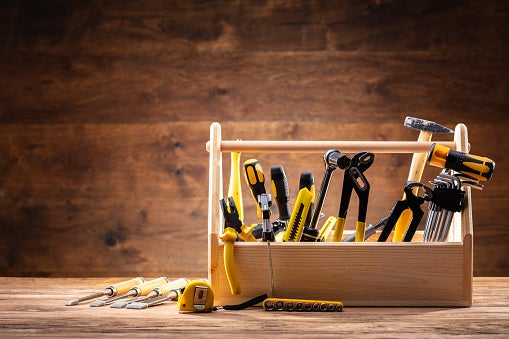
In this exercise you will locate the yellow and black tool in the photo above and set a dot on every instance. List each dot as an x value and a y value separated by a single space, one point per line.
300 212
327 228
354 179
198 296
281 194
235 188
229 237
473 166
255 179
110 291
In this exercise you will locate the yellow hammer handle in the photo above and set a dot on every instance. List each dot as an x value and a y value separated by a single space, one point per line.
124 286
415 174
229 236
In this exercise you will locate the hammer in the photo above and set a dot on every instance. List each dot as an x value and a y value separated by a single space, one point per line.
426 128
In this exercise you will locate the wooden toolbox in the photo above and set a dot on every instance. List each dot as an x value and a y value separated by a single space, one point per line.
358 274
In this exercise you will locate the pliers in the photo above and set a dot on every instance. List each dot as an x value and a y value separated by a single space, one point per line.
412 202
354 179
232 226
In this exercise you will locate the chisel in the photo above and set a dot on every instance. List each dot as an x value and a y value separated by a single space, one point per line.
112 290
142 289
156 292
169 291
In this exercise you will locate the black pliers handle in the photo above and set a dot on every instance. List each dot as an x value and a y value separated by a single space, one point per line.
232 220
354 179
412 202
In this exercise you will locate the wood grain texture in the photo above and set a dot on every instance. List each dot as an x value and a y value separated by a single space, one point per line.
35 308
105 109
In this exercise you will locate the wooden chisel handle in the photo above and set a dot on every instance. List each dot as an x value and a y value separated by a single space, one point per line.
124 286
148 286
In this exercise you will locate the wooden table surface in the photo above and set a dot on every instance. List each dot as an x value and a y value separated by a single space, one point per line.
34 307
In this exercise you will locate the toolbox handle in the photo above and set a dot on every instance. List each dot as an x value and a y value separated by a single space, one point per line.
283 146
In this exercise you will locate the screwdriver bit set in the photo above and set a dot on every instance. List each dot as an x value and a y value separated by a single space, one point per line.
275 255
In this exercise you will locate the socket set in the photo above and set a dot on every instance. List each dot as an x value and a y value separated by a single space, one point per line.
301 305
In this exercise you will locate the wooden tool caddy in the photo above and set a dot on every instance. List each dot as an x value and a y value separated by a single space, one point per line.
358 274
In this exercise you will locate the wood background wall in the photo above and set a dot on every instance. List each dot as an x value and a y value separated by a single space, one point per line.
105 109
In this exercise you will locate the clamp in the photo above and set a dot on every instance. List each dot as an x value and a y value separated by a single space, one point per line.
354 179
412 202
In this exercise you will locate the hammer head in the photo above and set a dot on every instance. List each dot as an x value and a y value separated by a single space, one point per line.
426 125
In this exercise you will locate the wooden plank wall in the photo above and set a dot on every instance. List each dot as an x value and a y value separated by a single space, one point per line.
105 108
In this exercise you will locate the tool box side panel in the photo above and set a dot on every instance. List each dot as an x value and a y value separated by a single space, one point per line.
369 274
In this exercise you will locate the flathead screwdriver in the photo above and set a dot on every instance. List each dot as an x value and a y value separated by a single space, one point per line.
142 289
112 290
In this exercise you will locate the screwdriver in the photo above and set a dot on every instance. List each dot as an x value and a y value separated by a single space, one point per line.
281 192
160 291
112 290
142 289
474 166
253 172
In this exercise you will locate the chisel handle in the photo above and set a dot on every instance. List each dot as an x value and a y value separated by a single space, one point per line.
280 191
172 285
124 286
477 167
255 179
148 286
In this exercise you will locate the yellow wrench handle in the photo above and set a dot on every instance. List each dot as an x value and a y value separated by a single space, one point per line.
229 238
401 225
124 286
360 231
338 229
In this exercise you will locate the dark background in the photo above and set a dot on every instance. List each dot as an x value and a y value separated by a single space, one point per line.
105 109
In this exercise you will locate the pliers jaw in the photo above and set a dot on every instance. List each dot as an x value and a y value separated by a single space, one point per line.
231 215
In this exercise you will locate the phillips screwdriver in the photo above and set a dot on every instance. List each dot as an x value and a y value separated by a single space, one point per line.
307 180
112 290
142 289
159 291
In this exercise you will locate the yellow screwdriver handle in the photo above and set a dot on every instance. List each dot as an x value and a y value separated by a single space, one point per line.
229 236
124 286
253 173
235 190
145 288
338 229
479 168
172 285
